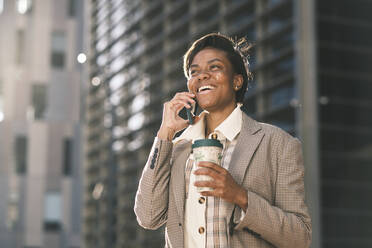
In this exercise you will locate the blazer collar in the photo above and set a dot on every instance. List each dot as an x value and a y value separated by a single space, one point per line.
248 141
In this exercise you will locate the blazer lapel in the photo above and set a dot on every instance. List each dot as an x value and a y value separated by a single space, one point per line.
181 152
247 143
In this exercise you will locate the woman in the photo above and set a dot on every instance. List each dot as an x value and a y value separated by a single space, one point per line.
258 192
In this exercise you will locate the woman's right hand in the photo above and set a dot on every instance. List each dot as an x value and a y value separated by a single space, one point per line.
172 122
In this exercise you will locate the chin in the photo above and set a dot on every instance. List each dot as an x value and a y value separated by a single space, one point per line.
208 107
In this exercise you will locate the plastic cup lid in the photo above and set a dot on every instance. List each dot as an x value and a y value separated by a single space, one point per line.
207 142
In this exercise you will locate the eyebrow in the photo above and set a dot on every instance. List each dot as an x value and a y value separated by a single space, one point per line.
210 61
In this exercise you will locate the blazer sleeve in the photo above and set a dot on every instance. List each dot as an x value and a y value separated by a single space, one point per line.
151 203
286 223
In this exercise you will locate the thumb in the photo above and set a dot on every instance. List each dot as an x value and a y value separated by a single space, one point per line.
196 119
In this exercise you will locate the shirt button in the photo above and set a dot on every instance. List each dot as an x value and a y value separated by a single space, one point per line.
201 200
201 230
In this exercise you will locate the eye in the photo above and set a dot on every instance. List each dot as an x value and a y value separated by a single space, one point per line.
193 72
215 67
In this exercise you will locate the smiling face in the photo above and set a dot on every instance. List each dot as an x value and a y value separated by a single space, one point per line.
213 81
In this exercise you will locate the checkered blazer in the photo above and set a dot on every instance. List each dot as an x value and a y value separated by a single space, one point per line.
266 161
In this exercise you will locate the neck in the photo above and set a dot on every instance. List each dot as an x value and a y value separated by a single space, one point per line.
215 118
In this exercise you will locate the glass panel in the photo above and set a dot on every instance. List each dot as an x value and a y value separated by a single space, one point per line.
20 154
1 102
280 97
67 158
39 100
23 6
58 49
20 52
1 6
52 211
72 8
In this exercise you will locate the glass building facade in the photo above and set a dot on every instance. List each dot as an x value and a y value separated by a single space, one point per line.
345 90
136 51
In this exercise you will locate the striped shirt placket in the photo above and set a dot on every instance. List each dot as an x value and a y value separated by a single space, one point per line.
188 170
215 213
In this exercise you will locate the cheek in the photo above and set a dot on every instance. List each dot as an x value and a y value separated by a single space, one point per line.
190 84
224 79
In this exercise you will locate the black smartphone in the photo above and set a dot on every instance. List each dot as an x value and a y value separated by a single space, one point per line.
191 112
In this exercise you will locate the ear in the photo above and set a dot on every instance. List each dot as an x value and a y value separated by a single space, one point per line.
238 82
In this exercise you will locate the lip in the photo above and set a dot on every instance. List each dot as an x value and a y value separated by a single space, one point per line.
211 88
204 92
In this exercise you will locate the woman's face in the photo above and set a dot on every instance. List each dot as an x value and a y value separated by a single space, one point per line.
213 81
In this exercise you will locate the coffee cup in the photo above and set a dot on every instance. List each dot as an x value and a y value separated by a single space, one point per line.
206 150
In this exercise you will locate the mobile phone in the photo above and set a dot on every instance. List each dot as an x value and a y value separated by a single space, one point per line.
191 112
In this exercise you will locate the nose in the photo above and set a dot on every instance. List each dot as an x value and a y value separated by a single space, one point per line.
203 75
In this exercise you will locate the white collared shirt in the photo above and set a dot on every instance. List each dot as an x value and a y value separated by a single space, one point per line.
195 212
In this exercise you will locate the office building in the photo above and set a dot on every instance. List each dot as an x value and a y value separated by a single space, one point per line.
304 64
40 129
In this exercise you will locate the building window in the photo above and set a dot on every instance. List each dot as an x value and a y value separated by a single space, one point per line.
1 6
72 8
67 158
20 47
24 6
58 50
280 97
53 211
39 100
1 101
20 154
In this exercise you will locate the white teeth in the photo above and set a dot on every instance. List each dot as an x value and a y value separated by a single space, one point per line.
206 87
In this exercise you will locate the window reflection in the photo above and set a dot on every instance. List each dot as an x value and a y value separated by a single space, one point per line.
53 211
280 97
138 87
117 81
120 111
102 44
136 121
118 15
39 100
115 98
137 142
118 63
284 41
118 30
102 59
58 49
118 48
117 145
107 120
282 67
140 101
23 6
273 2
103 27
102 12
119 131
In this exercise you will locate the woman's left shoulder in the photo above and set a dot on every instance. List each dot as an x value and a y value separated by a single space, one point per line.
276 133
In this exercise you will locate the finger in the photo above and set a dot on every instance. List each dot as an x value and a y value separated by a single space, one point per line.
178 105
214 193
208 172
212 166
210 184
188 93
186 96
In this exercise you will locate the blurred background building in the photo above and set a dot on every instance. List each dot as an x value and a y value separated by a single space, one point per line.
311 77
40 179
310 61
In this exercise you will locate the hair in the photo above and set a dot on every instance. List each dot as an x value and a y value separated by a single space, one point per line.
236 51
